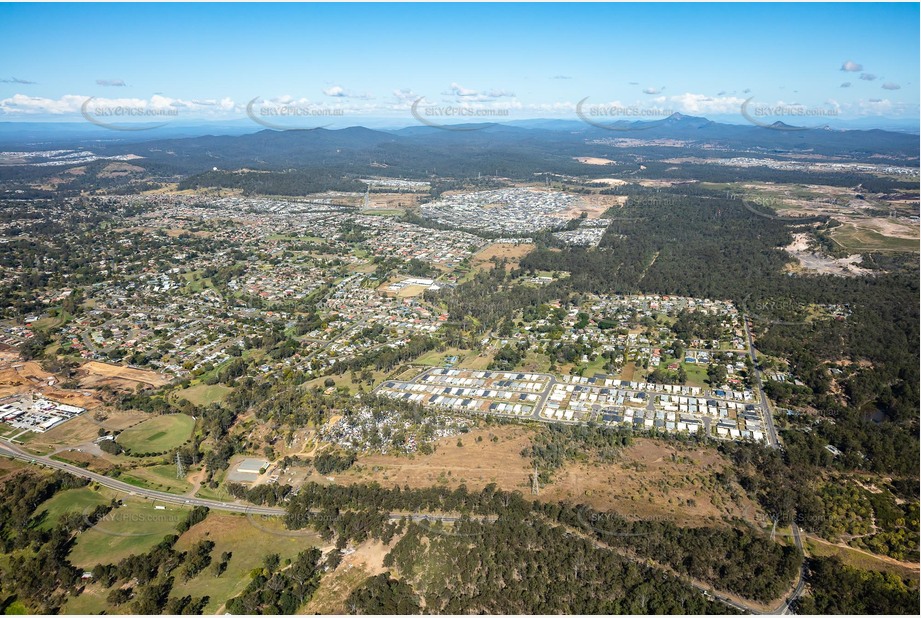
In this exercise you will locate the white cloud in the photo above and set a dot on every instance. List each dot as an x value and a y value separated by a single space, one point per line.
24 105
691 103
467 95
566 107
846 85
341 93
405 95
851 67
869 77
111 83
225 104
891 86
458 90
881 107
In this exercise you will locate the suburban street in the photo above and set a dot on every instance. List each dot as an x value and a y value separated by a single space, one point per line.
765 408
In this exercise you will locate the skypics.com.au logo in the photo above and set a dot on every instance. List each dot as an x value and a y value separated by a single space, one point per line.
437 116
783 117
116 117
291 115
621 117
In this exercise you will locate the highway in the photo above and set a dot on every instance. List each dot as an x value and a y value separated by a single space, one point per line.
13 451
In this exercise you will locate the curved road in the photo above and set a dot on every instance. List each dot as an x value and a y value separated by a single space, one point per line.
11 450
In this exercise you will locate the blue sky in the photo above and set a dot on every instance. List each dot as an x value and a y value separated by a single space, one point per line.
372 61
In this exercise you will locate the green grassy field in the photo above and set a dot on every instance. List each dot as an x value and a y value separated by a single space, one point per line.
249 539
205 394
213 494
384 212
91 601
82 500
857 239
534 362
435 358
26 437
131 529
52 322
595 366
162 478
160 433
697 374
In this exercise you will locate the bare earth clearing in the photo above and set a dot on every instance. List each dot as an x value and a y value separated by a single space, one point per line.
511 253
650 479
813 262
98 374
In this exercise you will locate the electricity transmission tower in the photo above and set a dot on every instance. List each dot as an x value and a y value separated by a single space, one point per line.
180 468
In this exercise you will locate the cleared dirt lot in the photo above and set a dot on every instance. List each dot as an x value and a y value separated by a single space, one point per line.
335 587
811 261
653 479
95 374
594 161
596 204
410 291
475 464
397 200
511 253
11 383
86 460
18 378
650 479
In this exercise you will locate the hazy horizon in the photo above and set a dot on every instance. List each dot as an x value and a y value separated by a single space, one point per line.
353 64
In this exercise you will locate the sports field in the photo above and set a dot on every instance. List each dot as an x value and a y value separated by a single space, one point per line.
158 434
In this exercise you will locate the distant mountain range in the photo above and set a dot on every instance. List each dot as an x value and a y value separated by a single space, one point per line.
518 146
